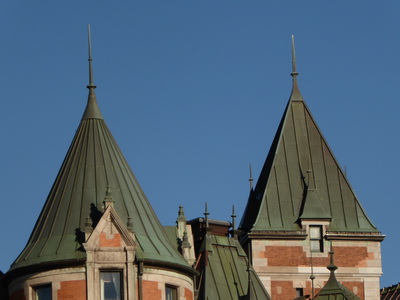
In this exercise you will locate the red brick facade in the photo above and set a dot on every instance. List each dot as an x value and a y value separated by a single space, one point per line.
151 290
284 290
72 290
357 287
188 294
295 256
114 241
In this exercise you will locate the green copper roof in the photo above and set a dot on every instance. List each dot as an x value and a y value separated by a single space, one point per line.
93 162
333 289
302 179
224 269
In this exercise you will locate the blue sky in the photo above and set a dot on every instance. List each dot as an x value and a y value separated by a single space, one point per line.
193 93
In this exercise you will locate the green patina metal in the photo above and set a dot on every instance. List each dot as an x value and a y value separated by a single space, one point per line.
93 162
226 272
333 289
302 179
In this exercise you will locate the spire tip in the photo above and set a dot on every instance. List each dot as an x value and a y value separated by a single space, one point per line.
91 84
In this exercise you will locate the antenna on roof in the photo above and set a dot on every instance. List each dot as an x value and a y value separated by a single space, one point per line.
91 84
251 178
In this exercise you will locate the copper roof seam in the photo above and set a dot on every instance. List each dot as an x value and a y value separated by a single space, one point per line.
279 199
85 153
114 152
288 175
356 212
336 162
310 156
328 191
75 160
237 273
115 149
69 176
106 133
107 161
341 198
95 126
234 281
57 187
80 156
37 231
159 233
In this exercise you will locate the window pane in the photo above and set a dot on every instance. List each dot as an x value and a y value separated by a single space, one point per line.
315 246
110 283
171 293
315 232
43 292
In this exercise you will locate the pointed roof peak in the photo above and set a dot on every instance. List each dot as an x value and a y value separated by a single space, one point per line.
296 95
92 110
333 288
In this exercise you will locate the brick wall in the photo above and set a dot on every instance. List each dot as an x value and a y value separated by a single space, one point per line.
188 294
284 265
357 287
295 256
110 241
72 290
151 290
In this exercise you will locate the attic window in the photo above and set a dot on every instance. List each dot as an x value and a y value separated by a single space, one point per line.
171 292
316 241
110 285
43 292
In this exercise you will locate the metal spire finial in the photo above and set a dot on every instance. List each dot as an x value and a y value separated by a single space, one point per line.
233 216
296 95
294 67
251 178
206 213
91 84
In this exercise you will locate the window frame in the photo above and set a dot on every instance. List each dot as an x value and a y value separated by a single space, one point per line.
121 284
299 292
316 240
36 288
174 290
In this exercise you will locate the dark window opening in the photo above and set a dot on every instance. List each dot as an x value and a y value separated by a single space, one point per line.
43 292
110 285
171 292
299 292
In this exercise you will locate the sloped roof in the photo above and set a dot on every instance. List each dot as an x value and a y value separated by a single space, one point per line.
302 179
224 269
391 292
93 162
333 289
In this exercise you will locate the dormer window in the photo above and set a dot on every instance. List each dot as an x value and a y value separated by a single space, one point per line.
316 240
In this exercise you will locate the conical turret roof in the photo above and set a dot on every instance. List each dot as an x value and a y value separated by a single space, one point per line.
93 162
302 179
